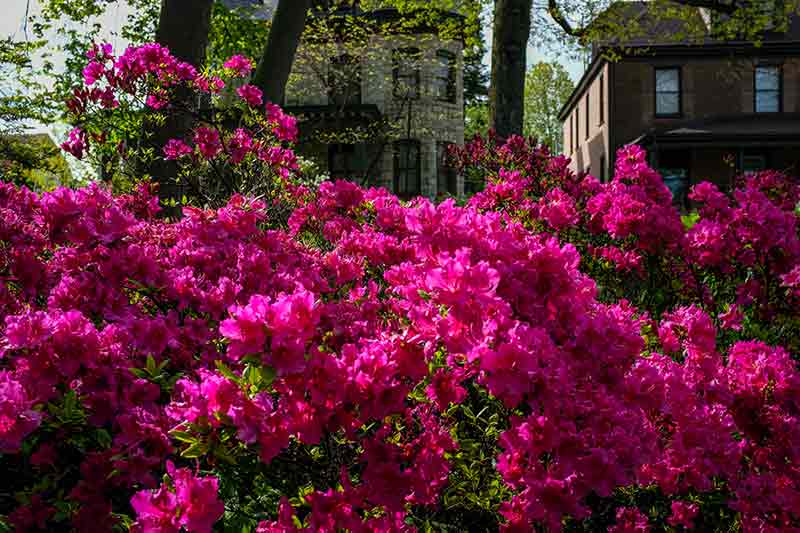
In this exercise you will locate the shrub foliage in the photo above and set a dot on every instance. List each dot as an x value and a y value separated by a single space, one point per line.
555 354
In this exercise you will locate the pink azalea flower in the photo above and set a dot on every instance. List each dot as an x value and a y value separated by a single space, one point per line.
250 94
241 65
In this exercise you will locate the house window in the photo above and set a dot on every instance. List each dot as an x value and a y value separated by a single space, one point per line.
587 114
406 72
444 76
445 171
668 92
344 80
768 89
602 109
577 124
407 177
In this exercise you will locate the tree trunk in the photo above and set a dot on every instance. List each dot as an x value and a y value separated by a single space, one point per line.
183 27
276 61
512 26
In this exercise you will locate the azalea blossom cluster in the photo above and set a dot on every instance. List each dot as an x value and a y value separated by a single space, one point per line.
131 344
148 79
229 370
737 254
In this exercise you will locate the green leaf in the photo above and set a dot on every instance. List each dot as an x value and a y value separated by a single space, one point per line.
183 436
690 219
227 372
196 450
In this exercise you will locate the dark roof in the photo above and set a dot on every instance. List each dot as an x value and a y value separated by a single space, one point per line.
652 27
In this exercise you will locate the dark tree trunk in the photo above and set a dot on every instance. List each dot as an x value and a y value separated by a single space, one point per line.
183 27
276 61
512 26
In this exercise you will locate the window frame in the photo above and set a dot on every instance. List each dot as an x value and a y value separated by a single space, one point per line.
407 52
445 170
450 80
679 92
779 69
577 126
397 147
343 59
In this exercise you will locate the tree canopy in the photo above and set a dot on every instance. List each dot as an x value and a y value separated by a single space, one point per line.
547 87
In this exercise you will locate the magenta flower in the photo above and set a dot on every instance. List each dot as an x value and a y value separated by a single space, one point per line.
17 418
76 144
683 513
156 511
630 520
212 85
250 94
208 142
239 145
175 149
240 65
197 500
193 505
93 72
285 125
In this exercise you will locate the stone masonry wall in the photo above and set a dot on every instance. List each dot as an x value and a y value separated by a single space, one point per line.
431 120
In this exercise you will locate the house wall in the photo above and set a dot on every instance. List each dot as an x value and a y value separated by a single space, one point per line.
431 120
709 86
589 152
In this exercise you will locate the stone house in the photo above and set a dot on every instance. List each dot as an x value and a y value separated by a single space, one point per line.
381 101
705 111
258 9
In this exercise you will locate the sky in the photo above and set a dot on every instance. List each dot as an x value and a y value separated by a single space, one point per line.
13 18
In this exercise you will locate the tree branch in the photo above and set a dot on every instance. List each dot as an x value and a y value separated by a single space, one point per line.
721 6
554 10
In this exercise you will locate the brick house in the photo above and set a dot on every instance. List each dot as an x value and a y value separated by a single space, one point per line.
704 111
410 83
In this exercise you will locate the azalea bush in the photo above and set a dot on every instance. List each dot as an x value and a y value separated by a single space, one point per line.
735 255
237 143
555 354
